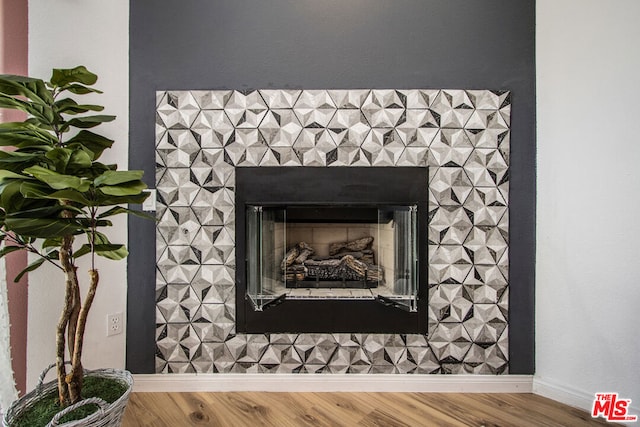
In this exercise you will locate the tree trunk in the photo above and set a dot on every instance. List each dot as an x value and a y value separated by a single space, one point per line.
76 375
71 284
75 312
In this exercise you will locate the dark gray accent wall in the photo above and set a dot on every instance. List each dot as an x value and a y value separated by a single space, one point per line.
310 44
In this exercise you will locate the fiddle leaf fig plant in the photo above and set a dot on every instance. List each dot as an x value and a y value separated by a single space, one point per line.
57 198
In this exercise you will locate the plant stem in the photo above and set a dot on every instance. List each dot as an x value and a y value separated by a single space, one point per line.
71 285
94 212
31 248
75 383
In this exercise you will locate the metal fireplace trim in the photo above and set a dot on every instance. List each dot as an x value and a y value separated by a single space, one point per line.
355 186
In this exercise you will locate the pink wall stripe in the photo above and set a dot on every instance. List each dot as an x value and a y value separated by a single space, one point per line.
14 49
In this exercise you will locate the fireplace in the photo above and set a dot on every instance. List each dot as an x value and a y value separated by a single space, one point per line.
341 243
344 154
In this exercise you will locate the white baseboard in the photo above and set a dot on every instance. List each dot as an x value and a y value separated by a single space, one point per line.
570 396
333 383
563 394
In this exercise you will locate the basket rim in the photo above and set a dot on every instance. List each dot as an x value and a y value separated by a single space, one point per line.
29 399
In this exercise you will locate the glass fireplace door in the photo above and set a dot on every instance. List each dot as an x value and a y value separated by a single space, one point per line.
402 269
266 237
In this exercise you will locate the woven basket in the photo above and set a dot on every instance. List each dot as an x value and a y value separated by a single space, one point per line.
108 414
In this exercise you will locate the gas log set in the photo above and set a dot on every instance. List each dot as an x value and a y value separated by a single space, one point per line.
349 265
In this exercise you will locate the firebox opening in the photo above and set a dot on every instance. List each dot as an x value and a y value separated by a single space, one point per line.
331 249
332 252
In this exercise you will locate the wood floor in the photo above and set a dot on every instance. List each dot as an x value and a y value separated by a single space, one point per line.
349 409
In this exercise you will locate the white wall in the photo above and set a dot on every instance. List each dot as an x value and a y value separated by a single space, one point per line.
588 280
94 33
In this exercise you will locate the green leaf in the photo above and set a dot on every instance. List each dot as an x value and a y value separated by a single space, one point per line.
9 249
45 212
63 77
60 158
70 106
40 112
68 160
10 197
105 200
34 189
34 265
110 251
71 195
80 89
29 87
113 211
86 122
54 242
121 210
18 133
42 227
114 252
80 159
88 224
130 188
18 104
84 250
92 141
56 180
117 177
17 157
7 175
40 124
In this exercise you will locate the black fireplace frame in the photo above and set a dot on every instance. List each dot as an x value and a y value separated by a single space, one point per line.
290 186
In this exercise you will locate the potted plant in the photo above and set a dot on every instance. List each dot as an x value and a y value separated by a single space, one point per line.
56 200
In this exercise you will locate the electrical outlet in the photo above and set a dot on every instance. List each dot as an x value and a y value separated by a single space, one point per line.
115 324
149 205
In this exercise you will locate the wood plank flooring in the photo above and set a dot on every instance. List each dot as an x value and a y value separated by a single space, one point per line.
350 409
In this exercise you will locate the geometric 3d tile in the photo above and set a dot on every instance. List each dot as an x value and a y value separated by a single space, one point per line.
177 110
487 205
384 108
280 128
348 127
420 99
486 325
486 167
485 245
454 107
462 135
209 169
351 99
451 148
448 264
449 185
485 284
175 188
418 129
315 147
279 99
214 284
314 108
245 110
449 303
450 225
383 147
211 99
212 129
450 342
178 264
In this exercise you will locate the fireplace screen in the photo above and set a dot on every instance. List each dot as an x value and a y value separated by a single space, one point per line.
342 252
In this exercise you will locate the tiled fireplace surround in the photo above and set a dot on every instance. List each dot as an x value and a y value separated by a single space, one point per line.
461 135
